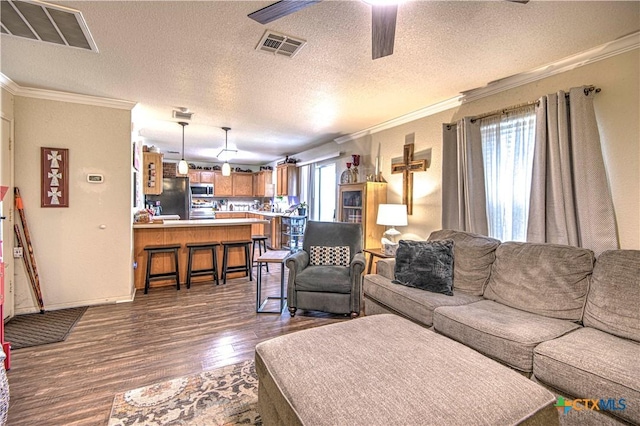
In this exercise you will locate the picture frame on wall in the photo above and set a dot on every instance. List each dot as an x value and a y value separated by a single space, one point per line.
54 177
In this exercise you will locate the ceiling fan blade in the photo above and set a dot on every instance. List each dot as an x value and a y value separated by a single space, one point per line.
278 10
383 30
519 1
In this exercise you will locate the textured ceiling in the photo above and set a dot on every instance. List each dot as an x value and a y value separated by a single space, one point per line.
201 55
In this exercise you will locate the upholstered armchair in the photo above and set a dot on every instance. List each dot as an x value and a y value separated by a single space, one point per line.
327 274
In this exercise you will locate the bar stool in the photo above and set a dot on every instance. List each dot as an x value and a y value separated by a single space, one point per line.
193 247
246 267
261 240
153 250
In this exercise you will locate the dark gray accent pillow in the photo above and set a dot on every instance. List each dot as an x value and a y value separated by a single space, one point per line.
427 265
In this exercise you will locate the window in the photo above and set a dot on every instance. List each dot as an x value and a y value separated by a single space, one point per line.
507 149
325 193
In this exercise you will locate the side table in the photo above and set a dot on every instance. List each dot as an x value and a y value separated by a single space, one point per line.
272 256
376 252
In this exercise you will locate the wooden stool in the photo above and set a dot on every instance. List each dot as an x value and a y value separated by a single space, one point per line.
151 250
193 247
261 240
246 267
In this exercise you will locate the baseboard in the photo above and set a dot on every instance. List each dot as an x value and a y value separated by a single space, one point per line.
75 304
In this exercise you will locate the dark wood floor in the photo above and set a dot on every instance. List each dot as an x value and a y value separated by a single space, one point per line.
161 335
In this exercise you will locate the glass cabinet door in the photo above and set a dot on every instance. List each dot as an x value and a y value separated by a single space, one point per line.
351 202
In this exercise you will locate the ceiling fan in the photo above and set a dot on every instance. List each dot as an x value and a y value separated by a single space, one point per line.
383 20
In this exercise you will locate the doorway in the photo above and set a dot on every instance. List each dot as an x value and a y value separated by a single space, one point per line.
6 211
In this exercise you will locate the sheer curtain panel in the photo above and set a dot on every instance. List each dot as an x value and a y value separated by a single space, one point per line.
571 200
507 148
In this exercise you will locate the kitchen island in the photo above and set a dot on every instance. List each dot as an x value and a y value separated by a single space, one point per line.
183 232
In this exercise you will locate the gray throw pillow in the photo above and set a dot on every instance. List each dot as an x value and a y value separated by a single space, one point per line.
427 265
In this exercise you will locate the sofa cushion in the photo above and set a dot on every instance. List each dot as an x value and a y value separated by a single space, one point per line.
425 265
332 279
613 302
545 279
413 303
588 363
473 256
501 332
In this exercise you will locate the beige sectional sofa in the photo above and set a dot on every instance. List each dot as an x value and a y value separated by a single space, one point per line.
552 312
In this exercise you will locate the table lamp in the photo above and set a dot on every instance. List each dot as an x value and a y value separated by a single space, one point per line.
391 215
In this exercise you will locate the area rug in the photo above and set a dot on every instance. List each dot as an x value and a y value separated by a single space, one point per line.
224 396
24 331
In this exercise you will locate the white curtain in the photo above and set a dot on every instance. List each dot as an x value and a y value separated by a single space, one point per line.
571 200
507 149
464 204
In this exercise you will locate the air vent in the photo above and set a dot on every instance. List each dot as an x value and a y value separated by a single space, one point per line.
39 21
280 44
182 115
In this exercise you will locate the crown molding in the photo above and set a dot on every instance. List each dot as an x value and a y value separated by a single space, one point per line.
598 53
53 95
412 116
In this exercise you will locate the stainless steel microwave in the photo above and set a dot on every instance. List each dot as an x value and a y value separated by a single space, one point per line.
201 190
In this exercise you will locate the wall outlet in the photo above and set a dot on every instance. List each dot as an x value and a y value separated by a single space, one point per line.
17 252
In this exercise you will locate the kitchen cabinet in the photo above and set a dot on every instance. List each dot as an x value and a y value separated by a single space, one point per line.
222 185
263 184
287 180
231 215
242 184
152 173
198 176
206 177
194 176
358 203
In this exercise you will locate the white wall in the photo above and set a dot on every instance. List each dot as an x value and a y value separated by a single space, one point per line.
618 114
79 263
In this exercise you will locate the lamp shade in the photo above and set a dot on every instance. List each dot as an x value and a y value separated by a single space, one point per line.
183 167
226 169
392 215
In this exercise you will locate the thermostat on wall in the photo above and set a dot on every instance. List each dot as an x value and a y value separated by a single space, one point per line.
95 178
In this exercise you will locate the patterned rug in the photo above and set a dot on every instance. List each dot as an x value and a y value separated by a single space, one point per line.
24 331
225 396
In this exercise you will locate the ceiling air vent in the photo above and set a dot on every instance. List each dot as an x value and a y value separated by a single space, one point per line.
45 22
280 44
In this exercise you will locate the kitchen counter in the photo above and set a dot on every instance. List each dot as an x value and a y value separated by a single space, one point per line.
183 232
197 223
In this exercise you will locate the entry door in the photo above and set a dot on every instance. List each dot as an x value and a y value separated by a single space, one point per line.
6 209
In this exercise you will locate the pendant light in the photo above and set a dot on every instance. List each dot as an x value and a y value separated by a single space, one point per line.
183 167
226 167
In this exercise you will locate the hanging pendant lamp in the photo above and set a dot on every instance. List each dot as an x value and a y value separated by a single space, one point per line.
183 167
226 167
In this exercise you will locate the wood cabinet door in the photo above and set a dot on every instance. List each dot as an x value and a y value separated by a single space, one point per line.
242 184
256 185
222 185
206 177
194 176
281 181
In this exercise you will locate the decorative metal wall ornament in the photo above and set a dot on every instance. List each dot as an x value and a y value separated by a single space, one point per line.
55 177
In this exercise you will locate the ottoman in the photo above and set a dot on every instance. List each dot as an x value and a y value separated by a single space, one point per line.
384 370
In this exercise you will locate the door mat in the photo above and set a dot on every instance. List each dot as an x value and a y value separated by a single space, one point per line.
24 331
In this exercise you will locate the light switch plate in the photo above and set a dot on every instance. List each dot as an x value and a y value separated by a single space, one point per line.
17 252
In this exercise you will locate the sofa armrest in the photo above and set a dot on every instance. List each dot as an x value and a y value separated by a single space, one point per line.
386 268
356 270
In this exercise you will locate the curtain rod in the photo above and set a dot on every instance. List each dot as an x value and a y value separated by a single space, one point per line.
502 111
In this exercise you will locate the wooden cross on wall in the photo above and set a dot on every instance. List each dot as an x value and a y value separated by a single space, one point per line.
408 167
